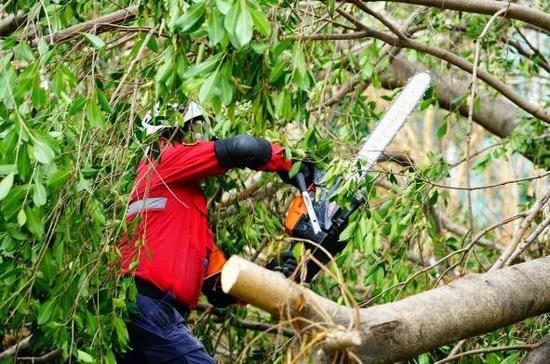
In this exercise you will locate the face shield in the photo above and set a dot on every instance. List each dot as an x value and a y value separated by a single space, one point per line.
189 121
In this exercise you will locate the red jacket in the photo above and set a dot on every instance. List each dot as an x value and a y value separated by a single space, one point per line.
172 240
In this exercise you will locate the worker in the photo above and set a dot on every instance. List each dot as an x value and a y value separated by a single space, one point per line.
171 249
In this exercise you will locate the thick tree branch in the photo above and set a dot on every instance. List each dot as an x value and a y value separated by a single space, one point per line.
10 23
469 306
514 11
97 26
23 344
457 61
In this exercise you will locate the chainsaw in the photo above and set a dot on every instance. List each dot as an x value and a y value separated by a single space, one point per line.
319 222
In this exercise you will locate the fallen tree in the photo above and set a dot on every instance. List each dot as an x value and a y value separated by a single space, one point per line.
470 306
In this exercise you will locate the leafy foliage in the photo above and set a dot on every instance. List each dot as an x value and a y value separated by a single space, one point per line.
70 140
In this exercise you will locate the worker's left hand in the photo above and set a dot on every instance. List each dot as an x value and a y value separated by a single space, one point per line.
212 288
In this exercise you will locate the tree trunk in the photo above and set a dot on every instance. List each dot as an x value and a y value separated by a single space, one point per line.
473 305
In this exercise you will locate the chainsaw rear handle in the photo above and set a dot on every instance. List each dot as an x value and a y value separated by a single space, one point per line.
301 181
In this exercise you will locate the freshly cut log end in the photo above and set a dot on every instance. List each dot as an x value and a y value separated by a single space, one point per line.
256 285
230 272
273 292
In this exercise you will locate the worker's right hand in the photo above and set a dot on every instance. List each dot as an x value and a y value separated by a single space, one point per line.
306 168
284 263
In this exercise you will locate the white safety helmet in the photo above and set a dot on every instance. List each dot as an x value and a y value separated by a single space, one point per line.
191 112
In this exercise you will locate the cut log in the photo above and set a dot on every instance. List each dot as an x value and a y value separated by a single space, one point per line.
470 306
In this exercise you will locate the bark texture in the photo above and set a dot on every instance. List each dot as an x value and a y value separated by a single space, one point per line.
10 23
515 11
475 304
96 26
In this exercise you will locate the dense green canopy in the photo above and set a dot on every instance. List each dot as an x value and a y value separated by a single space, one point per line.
77 77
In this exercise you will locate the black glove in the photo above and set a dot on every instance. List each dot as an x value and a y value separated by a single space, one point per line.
284 263
307 169
212 288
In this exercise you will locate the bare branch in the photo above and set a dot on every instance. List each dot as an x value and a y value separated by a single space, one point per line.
460 230
520 231
9 24
54 354
521 248
540 354
500 86
23 344
98 25
514 11
485 351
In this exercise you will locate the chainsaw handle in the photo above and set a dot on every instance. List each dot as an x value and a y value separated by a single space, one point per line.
301 182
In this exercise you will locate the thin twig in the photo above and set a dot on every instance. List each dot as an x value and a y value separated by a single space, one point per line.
485 187
540 228
520 231
134 61
54 354
478 42
486 350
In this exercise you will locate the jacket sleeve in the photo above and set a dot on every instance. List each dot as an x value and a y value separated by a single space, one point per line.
183 163
277 163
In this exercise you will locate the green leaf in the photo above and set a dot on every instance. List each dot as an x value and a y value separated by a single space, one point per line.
216 30
189 21
223 6
243 27
40 195
24 52
348 231
209 88
298 251
39 96
42 152
58 179
84 357
45 312
226 90
442 130
103 102
121 331
21 217
300 67
35 222
260 20
94 115
94 40
203 67
230 23
5 186
6 169
294 169
412 55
